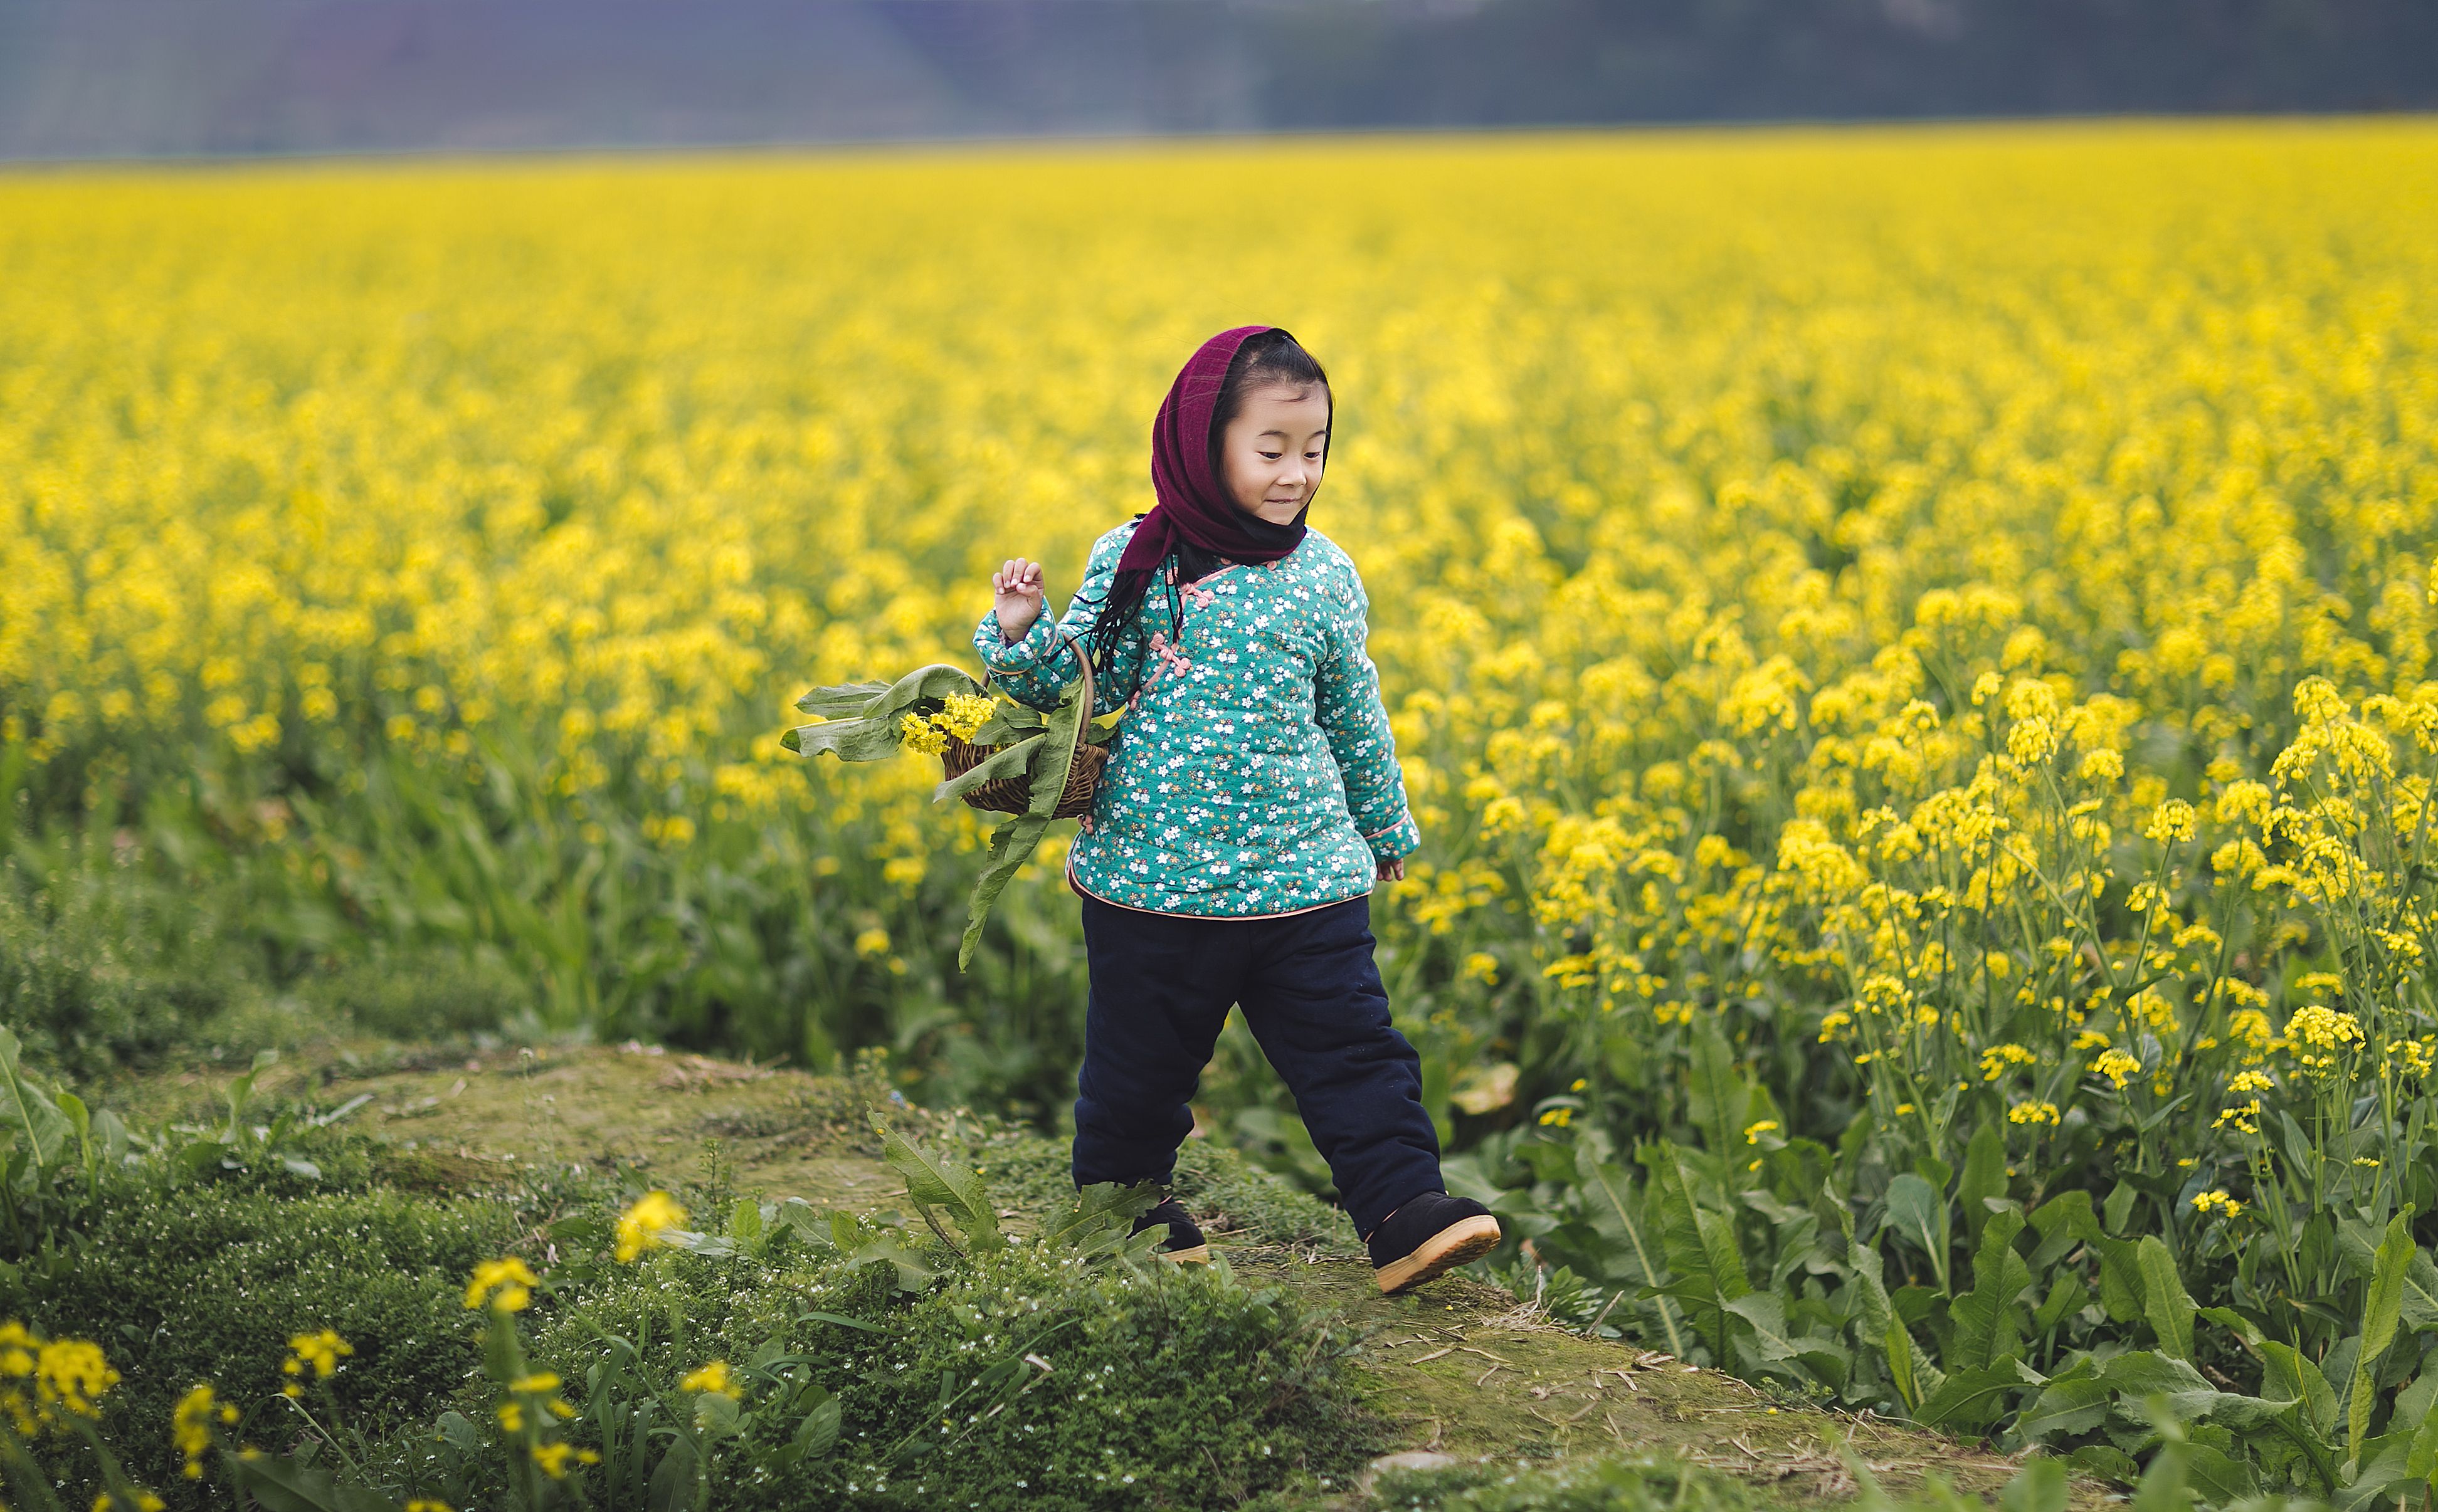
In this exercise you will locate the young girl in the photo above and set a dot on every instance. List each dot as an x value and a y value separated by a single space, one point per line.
1251 800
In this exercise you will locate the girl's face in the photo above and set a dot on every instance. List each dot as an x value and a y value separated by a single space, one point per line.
1271 451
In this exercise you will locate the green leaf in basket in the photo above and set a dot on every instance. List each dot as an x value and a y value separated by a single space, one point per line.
1013 843
861 717
1010 845
1007 762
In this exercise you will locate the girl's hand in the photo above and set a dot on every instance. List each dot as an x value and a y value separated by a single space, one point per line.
1016 591
1392 868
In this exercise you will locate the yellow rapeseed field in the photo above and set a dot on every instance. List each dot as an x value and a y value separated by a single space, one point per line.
1944 614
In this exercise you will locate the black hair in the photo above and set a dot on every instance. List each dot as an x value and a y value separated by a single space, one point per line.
1271 357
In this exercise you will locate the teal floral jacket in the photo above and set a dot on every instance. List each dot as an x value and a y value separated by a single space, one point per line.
1253 773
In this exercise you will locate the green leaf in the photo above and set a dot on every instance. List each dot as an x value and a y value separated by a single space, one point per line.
2165 1302
2242 1327
675 1480
745 1223
1969 1400
819 1432
1700 1246
2039 1487
2143 1378
2381 1311
1985 1177
1918 1211
936 1188
868 730
1715 1095
2066 1407
1766 1312
2120 1206
1007 760
25 1108
1011 845
842 701
2289 1373
1103 1211
1987 1319
1614 1188
714 1414
2107 1463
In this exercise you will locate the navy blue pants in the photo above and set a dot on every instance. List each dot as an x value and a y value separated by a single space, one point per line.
1162 988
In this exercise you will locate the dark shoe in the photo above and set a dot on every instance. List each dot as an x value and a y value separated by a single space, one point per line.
1185 1245
1431 1234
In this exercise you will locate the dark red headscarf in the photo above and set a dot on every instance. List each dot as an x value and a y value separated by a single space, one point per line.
1194 505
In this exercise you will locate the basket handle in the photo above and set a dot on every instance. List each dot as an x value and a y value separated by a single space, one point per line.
1083 726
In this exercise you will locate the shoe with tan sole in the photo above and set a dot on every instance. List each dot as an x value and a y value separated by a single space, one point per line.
1186 1245
1429 1235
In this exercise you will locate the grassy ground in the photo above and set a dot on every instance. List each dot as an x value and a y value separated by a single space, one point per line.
1456 1368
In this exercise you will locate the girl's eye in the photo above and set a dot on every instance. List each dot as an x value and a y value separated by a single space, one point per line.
1272 456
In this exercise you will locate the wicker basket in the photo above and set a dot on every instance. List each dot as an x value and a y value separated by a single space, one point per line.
1008 795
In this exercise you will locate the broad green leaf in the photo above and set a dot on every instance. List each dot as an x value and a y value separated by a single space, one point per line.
1766 1312
2165 1302
1700 1246
935 1187
1987 1320
714 1414
1614 1189
2066 1407
745 1222
1011 845
676 1479
2287 1373
1985 1176
820 1430
2039 1486
842 701
25 1108
1918 1211
2381 1310
2142 1378
1008 760
1100 1212
2242 1328
1715 1095
1969 1400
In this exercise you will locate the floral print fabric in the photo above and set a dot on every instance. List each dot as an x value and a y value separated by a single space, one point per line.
1253 772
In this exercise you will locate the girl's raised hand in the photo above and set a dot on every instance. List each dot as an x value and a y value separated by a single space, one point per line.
1015 596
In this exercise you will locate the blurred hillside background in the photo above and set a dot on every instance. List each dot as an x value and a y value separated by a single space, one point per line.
174 77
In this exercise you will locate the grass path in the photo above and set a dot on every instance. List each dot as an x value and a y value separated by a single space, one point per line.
1457 1367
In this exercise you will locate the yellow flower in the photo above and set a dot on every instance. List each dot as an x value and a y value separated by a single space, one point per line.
964 714
2033 1113
711 1378
553 1457
872 943
646 1224
504 1284
2218 1201
920 735
1482 967
322 1351
71 1374
1754 1131
191 1424
2116 1066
